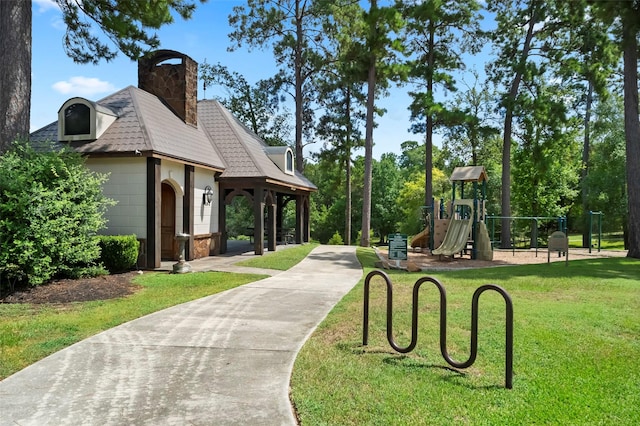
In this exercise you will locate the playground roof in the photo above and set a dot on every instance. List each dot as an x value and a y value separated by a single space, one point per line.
469 174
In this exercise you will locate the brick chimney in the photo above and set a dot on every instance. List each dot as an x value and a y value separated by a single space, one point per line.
175 83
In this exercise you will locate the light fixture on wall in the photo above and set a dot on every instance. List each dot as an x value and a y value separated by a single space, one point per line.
207 197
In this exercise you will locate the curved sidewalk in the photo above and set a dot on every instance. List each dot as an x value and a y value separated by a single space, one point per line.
225 359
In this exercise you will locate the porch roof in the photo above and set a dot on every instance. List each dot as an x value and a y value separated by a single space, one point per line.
244 153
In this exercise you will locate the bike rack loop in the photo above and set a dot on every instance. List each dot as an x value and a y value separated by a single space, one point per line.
443 322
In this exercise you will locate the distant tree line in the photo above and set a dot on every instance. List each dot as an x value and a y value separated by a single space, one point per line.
554 117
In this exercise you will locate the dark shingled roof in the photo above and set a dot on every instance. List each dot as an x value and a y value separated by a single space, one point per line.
145 124
244 153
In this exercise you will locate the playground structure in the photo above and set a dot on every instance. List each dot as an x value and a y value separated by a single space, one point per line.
462 225
458 229
421 240
533 238
459 226
598 222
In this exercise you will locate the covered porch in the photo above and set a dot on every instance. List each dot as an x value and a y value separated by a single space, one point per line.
268 201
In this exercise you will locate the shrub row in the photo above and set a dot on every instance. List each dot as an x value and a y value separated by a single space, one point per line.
118 253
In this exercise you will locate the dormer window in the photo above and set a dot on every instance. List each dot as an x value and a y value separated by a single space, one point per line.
289 155
282 156
77 120
83 120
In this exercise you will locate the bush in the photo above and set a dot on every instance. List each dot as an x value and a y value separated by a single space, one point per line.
51 207
336 240
118 253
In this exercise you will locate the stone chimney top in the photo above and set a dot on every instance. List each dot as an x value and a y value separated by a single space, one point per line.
173 77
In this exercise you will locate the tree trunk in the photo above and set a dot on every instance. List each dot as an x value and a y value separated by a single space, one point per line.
298 88
585 166
632 130
347 212
505 229
15 71
428 141
368 157
368 141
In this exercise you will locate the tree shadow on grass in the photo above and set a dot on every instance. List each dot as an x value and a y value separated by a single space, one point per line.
619 267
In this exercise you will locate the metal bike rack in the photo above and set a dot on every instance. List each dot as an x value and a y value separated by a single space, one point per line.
508 381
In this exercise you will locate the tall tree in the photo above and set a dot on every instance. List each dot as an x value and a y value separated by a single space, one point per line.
513 38
546 162
126 23
341 96
625 16
607 177
437 33
378 52
583 56
15 71
466 138
630 30
386 214
292 28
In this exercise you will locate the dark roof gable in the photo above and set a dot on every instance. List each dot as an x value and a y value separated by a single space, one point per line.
245 154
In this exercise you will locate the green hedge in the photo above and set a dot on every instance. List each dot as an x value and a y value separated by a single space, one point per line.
118 253
51 207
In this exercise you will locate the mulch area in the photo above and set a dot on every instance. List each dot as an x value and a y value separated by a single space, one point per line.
79 290
427 262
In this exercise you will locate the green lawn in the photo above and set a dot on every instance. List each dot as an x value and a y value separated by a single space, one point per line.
31 332
281 259
607 242
576 351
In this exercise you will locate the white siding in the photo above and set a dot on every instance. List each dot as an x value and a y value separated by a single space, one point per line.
127 185
205 220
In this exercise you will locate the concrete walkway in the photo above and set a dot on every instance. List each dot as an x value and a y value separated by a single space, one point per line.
222 360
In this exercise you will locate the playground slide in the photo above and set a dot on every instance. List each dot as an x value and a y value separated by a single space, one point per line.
421 239
456 237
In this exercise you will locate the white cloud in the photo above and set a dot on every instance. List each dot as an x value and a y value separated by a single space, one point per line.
45 5
83 86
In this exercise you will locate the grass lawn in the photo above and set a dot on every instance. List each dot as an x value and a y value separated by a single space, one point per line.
607 242
29 332
282 259
576 351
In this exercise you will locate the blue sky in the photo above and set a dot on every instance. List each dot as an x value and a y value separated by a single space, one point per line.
55 78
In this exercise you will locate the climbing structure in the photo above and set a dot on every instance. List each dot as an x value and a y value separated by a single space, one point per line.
466 217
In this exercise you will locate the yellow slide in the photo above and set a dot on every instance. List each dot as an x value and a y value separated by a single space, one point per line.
421 240
456 237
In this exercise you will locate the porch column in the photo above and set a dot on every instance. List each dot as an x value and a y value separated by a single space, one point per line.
271 223
279 210
258 221
153 213
306 231
222 218
188 210
300 238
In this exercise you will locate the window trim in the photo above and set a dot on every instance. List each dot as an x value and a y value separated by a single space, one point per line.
62 136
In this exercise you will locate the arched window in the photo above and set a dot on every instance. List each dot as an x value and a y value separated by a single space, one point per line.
77 120
289 166
83 120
